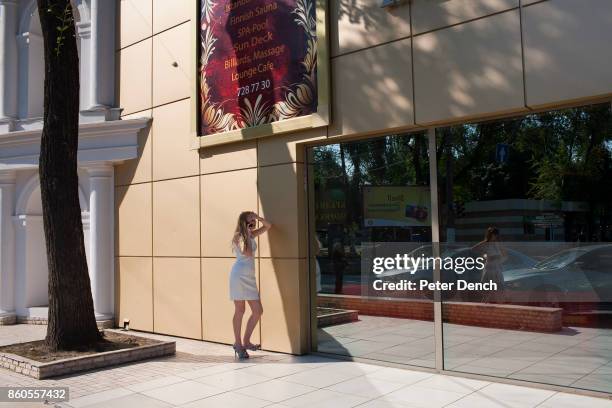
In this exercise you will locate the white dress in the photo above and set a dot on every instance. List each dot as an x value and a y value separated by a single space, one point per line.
243 285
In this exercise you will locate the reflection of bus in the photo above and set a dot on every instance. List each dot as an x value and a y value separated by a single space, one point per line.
523 220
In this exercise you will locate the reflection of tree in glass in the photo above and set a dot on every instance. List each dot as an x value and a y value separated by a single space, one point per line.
396 160
560 156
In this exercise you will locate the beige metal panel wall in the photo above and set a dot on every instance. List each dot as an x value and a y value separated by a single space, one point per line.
283 274
372 89
283 150
176 217
167 14
176 209
158 194
136 21
276 192
177 297
567 50
430 15
172 70
133 216
171 153
229 157
135 74
359 24
279 189
225 195
134 290
470 69
285 322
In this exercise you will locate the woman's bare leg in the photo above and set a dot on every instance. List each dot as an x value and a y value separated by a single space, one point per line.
239 308
256 312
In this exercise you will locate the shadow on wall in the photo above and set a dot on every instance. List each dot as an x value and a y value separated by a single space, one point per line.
358 13
462 71
473 68
284 280
566 53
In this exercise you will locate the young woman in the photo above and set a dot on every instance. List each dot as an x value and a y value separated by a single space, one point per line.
243 287
495 255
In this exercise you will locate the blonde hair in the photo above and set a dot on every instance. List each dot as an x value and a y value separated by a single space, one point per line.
242 231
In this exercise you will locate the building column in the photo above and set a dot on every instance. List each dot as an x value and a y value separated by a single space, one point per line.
101 229
7 247
102 55
8 64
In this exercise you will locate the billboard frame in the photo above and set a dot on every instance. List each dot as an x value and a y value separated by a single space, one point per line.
317 119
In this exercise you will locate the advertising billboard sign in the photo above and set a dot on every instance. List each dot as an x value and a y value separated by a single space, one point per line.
258 63
400 206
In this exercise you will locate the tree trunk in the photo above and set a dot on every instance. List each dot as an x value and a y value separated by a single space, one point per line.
72 321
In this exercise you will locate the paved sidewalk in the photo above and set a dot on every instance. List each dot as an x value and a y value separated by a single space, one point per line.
579 357
206 375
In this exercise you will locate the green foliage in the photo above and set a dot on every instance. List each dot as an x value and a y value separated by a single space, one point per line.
65 20
563 155
548 153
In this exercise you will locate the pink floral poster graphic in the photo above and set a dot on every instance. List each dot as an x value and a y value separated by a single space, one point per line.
258 62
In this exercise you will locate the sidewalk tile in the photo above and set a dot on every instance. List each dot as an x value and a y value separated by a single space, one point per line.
399 375
275 390
228 400
507 392
156 383
231 380
132 401
321 377
366 387
454 384
183 392
425 397
99 397
325 399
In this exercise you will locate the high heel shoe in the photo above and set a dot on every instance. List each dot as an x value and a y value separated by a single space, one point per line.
240 352
253 347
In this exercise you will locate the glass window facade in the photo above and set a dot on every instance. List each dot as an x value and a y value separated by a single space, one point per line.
365 192
520 222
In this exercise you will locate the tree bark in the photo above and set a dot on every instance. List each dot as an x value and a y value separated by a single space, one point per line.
72 320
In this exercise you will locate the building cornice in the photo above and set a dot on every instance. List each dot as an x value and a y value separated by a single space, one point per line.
111 142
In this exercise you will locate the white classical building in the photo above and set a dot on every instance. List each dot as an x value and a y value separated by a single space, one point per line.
104 141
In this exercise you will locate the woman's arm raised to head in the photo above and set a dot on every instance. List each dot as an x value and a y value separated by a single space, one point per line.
479 245
236 240
266 226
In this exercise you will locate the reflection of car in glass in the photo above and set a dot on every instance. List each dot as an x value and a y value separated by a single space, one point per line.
513 260
582 274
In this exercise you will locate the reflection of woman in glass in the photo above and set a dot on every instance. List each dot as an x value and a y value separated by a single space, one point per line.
495 255
339 263
243 286
317 251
